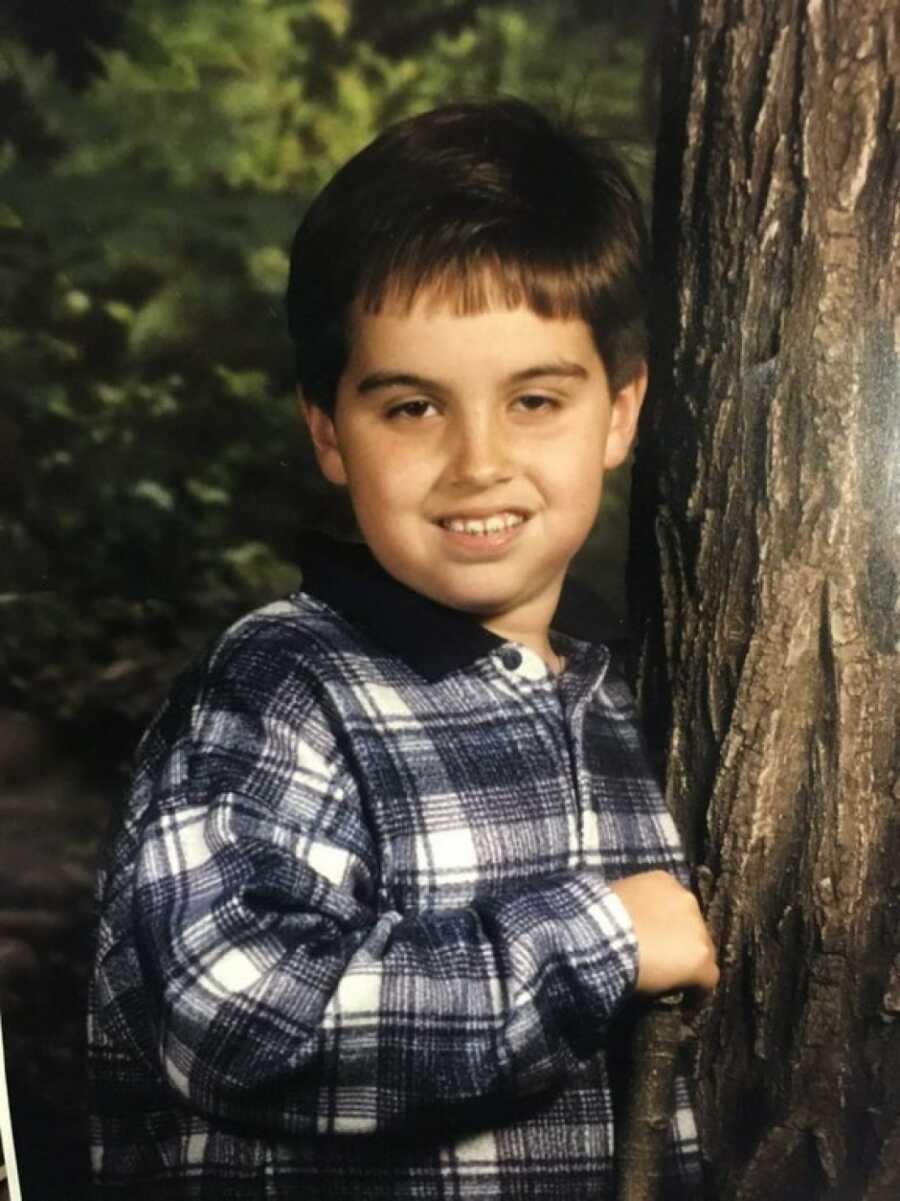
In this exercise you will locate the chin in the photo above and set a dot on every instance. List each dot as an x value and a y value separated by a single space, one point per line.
482 605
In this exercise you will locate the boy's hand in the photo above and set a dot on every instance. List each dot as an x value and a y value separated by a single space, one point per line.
674 947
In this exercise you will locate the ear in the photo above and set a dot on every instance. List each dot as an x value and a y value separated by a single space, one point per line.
324 439
625 411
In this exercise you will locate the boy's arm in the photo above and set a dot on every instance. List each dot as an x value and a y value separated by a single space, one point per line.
272 991
675 949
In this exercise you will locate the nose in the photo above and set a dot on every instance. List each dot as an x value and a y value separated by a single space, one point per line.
480 451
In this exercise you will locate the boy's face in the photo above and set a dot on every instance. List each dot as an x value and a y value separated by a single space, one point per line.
474 448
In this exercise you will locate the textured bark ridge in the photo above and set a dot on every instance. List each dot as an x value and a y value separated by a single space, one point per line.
769 471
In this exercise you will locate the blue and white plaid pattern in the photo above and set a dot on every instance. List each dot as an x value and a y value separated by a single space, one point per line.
356 939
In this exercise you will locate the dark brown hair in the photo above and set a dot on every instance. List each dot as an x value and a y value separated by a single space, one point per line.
485 204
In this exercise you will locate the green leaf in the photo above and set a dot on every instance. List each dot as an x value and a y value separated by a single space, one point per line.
153 493
243 385
119 311
207 494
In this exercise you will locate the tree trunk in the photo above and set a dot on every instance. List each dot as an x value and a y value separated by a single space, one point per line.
767 601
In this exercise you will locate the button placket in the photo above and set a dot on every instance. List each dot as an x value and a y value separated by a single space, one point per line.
574 710
537 686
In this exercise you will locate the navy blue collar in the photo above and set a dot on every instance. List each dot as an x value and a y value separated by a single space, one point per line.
429 637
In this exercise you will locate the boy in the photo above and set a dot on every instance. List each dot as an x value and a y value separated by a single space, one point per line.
393 860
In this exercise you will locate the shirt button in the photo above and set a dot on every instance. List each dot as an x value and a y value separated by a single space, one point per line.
511 658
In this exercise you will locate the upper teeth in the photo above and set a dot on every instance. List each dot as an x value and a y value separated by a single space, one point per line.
488 525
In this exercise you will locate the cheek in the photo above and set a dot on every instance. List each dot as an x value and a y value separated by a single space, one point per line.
586 508
388 475
576 479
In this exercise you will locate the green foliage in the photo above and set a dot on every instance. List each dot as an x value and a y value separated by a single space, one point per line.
240 96
152 474
271 95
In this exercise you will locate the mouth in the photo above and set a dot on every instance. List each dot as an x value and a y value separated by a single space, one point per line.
496 523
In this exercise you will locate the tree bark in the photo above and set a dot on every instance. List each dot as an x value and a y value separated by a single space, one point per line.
765 569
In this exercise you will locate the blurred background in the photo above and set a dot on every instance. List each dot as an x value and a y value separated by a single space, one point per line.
155 158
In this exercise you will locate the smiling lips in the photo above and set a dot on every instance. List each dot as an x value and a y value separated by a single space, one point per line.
498 523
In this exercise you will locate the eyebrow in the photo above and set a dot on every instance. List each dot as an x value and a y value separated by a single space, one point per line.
405 379
560 369
394 379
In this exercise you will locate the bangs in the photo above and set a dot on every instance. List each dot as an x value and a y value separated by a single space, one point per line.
467 284
471 281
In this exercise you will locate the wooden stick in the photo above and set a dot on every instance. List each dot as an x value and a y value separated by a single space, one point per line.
6 1132
645 1105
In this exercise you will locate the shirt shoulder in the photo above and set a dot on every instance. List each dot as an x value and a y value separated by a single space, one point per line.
288 643
276 661
298 625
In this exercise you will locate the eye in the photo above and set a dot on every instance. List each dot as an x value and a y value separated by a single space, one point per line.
536 402
411 409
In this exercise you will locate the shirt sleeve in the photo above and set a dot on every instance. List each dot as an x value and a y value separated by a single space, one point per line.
277 989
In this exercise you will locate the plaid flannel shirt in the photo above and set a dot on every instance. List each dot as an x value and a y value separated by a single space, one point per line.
356 935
